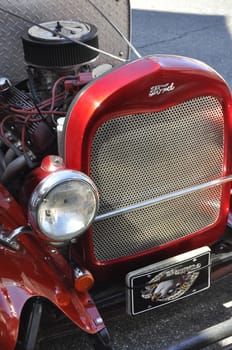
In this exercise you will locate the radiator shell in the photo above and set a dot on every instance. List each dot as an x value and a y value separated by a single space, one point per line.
125 92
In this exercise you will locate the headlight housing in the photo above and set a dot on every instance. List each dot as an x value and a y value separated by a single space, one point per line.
63 205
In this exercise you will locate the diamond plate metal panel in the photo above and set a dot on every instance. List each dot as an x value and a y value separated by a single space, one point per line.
11 52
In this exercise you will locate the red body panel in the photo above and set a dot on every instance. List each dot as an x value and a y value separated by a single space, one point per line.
37 269
125 91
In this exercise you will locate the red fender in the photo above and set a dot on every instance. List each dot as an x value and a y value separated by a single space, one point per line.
36 269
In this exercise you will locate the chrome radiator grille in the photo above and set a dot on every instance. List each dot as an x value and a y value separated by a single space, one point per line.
142 156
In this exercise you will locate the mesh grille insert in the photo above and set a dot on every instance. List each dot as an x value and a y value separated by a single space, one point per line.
142 156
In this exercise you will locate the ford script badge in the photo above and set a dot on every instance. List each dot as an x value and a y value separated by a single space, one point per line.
161 89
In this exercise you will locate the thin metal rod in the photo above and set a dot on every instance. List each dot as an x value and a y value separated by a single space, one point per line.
62 35
164 198
117 30
18 232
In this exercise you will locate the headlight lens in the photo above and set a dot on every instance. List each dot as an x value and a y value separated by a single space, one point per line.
64 204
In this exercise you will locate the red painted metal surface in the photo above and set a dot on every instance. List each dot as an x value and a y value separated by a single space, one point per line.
48 165
124 91
36 269
11 214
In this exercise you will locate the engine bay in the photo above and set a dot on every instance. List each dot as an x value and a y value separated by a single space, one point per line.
48 53
33 111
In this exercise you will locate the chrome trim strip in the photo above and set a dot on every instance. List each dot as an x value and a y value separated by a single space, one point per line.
10 240
163 198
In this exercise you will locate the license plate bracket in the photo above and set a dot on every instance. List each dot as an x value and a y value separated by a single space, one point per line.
167 281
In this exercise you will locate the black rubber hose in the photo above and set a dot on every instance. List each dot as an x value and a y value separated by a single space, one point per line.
9 156
13 168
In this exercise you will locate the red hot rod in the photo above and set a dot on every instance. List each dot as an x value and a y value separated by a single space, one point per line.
115 178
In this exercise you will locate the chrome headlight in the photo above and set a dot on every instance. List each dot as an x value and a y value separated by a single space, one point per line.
63 205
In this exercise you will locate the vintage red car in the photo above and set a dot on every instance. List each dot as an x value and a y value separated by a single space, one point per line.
115 177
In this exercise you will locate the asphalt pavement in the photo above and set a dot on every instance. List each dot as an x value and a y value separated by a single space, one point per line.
158 329
201 29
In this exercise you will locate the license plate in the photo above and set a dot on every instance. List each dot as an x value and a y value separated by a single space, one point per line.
167 281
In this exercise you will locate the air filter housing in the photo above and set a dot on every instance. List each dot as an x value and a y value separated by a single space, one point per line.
58 47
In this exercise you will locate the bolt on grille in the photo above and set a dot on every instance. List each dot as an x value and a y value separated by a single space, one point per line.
141 156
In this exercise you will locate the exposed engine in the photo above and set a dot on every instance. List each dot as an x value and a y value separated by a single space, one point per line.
50 56
57 68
